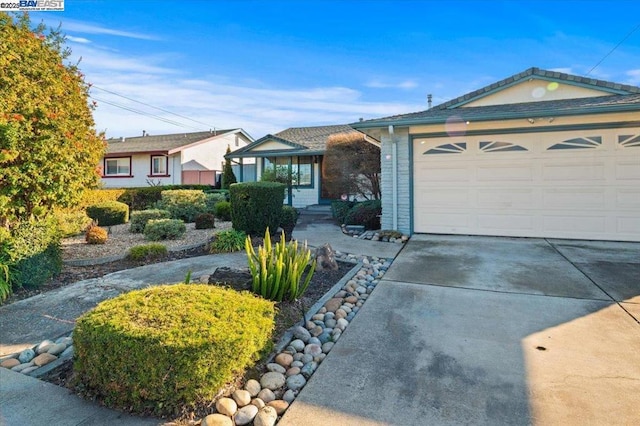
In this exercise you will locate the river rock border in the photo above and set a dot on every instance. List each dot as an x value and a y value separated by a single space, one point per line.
296 357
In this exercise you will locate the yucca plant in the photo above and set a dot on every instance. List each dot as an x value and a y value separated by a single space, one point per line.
278 271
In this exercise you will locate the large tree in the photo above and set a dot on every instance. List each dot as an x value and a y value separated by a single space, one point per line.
49 149
351 166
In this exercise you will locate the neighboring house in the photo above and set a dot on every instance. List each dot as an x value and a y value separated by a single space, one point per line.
539 154
301 149
183 158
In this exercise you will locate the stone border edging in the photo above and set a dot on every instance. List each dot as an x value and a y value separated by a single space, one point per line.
288 335
107 259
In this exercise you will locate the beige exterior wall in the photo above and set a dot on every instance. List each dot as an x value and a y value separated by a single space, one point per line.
211 154
140 170
536 90
272 145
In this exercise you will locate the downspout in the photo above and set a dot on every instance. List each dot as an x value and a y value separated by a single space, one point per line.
394 177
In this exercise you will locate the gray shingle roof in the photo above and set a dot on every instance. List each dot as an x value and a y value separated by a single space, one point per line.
303 140
623 98
158 143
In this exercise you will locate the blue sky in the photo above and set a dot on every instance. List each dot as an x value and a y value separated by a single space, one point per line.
269 65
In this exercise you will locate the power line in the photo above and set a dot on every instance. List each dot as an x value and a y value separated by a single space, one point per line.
615 47
157 117
152 106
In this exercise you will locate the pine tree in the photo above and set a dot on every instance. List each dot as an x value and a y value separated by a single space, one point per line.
228 177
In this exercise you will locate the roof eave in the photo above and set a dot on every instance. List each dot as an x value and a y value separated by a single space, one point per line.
492 117
275 153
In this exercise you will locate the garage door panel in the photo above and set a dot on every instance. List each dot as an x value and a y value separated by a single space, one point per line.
628 170
628 198
628 226
444 221
574 197
450 197
504 172
513 222
444 174
574 223
564 172
506 198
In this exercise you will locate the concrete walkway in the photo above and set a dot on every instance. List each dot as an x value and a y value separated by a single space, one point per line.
488 331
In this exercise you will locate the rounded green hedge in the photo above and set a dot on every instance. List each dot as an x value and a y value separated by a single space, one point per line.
109 213
168 347
140 218
164 229
256 206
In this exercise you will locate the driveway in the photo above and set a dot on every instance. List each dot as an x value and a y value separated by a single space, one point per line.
489 331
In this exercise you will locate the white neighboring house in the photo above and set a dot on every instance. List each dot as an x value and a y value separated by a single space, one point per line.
176 159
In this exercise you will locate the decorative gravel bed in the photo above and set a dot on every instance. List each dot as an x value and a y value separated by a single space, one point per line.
121 240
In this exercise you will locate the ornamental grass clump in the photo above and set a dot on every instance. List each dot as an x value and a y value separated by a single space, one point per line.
168 348
282 271
96 235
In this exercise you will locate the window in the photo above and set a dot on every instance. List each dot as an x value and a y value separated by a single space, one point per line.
301 169
117 166
159 165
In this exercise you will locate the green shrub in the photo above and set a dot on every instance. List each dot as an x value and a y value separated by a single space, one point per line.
169 347
365 213
146 197
71 222
164 229
205 221
139 219
32 253
211 199
6 265
340 210
279 271
183 204
96 235
91 197
147 251
228 241
288 219
109 213
223 210
256 206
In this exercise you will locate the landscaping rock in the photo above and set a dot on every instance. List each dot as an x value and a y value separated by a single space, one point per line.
296 382
267 416
280 406
253 387
326 347
21 367
245 415
226 406
267 395
276 368
312 349
272 380
289 396
26 356
333 304
57 348
217 420
67 352
10 363
43 346
301 333
298 345
241 397
29 369
284 360
259 402
44 359
293 371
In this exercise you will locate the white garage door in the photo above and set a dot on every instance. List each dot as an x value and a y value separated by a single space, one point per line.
554 185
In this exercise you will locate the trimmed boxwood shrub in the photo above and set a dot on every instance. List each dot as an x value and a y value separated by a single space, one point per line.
168 347
288 219
256 206
205 221
147 251
164 229
32 253
183 204
365 213
223 211
146 197
109 213
97 196
211 200
139 219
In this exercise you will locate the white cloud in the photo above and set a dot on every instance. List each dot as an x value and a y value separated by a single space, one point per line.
81 40
71 25
634 77
566 70
379 84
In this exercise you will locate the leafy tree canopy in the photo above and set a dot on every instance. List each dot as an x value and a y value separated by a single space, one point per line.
351 166
49 149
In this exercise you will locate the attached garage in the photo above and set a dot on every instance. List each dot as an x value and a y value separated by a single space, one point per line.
496 162
558 185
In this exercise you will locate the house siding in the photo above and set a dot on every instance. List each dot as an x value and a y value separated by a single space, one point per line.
140 170
401 137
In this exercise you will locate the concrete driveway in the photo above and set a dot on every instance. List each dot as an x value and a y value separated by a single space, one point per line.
489 331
